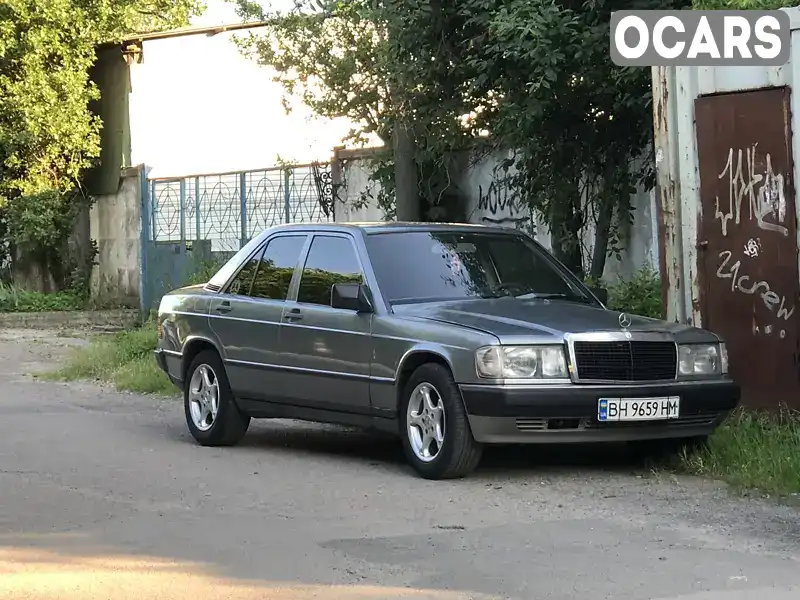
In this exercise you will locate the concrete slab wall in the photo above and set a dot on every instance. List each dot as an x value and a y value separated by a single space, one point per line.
115 224
489 201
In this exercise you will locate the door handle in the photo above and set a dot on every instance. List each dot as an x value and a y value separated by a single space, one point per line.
224 307
293 315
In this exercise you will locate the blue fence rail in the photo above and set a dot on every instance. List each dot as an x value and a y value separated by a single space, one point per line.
191 221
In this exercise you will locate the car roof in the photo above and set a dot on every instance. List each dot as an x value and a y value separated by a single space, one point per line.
371 227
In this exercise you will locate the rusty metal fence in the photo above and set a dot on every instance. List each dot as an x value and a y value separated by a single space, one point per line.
748 248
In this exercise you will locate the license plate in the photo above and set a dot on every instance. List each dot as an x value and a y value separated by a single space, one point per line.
638 409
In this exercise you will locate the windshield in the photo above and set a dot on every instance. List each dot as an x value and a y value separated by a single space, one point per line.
422 266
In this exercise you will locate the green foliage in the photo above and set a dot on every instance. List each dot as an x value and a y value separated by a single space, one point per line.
315 285
15 300
348 59
204 272
639 295
271 282
48 136
534 77
753 450
329 53
741 4
380 187
124 359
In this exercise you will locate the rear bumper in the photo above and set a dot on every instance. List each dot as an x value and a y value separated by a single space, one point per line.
568 413
165 360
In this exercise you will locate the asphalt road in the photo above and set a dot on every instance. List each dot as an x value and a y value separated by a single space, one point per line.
105 496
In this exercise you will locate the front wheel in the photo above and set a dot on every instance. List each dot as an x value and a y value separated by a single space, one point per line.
211 413
436 436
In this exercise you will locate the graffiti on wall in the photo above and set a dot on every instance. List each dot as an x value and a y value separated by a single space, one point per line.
747 246
498 205
756 192
752 182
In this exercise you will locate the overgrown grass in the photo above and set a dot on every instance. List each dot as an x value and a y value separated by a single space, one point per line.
753 450
16 300
124 359
638 295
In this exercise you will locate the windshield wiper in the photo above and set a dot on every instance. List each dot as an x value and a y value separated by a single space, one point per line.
495 294
575 297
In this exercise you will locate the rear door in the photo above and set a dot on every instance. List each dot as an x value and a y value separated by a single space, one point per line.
246 318
327 351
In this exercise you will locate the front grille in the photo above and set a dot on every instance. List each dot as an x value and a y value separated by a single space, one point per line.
626 360
529 425
698 420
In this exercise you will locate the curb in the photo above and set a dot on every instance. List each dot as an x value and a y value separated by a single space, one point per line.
100 319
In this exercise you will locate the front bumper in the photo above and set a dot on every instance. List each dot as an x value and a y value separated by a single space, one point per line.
568 413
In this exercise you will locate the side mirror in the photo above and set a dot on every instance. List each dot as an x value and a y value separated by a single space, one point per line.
350 296
601 293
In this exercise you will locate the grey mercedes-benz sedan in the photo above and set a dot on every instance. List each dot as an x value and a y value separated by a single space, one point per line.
450 336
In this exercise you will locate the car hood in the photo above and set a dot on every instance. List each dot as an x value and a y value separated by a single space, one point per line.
509 318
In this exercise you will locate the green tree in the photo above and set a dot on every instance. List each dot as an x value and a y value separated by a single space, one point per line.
351 58
48 136
530 77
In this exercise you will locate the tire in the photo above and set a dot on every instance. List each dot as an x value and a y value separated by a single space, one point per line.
459 453
228 426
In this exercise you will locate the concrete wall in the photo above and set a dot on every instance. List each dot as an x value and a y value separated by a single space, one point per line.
110 74
356 196
115 224
489 201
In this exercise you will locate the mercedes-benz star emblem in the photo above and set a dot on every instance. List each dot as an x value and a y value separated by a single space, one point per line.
624 321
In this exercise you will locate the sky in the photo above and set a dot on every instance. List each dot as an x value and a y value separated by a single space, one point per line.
199 106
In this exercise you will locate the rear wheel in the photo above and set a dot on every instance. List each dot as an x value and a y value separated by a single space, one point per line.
436 436
211 413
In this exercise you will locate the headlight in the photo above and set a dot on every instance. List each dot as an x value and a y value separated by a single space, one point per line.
702 359
522 362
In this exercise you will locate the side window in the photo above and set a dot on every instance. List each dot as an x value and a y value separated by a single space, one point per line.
277 267
330 260
240 286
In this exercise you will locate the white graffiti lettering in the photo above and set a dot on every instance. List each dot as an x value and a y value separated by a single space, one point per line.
756 182
752 247
742 284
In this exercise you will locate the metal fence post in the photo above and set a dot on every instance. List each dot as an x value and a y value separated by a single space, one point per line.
197 219
183 211
243 206
144 241
153 210
287 195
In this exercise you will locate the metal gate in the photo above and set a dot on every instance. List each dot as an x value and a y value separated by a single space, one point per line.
748 259
191 225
